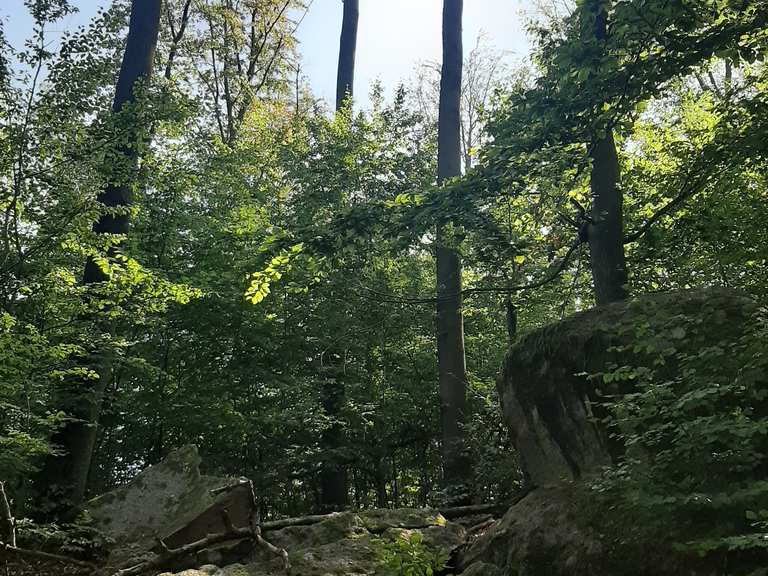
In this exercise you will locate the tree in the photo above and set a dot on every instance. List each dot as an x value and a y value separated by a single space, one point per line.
81 399
450 322
348 45
334 480
226 54
485 71
606 230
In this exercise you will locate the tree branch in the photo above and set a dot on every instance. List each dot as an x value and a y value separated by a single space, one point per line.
48 556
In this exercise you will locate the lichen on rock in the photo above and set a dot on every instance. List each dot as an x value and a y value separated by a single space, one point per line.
158 502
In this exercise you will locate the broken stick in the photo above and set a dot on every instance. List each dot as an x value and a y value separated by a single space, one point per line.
48 556
168 555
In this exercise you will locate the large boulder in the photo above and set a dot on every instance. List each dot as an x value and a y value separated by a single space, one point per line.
171 500
548 397
553 409
552 532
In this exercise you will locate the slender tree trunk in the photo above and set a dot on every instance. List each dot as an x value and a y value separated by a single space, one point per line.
348 46
450 321
334 476
65 476
382 498
606 233
511 321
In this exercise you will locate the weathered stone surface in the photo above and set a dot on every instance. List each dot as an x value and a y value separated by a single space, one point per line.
539 535
545 391
482 569
550 533
238 504
342 544
171 499
208 570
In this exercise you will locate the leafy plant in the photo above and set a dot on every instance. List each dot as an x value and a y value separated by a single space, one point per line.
691 415
409 555
79 540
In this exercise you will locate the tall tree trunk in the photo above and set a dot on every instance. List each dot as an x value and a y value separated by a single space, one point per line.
65 475
450 321
606 233
382 498
348 46
334 475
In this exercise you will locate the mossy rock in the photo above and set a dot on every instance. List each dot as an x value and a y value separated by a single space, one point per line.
547 395
482 569
158 501
548 533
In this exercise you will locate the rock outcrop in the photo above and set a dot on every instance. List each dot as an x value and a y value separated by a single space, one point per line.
546 392
342 544
548 401
171 500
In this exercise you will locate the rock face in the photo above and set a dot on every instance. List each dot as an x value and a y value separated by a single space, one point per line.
539 535
171 500
546 400
545 390
545 534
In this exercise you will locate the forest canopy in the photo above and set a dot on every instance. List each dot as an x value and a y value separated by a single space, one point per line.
194 249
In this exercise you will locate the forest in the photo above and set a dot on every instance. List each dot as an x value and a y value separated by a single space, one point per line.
510 319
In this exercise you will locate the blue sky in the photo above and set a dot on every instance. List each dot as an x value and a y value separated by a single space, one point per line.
394 35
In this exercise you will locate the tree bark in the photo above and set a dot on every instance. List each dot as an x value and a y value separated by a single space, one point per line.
348 46
511 320
81 399
334 475
450 321
606 232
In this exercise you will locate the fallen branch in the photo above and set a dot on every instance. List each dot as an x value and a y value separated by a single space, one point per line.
463 511
256 527
169 555
300 521
47 556
448 514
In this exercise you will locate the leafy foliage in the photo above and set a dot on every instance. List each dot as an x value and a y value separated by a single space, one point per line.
277 248
408 555
690 416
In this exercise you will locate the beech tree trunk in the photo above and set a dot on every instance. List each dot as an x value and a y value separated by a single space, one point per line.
450 321
606 233
348 46
65 476
334 474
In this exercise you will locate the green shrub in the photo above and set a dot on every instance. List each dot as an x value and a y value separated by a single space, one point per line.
409 555
692 417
